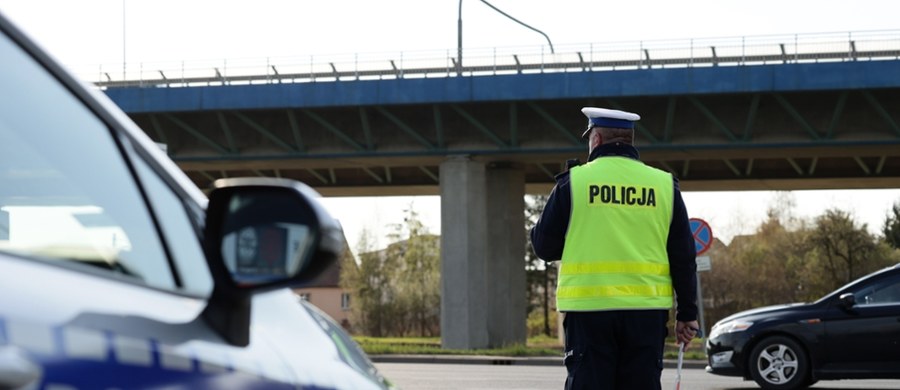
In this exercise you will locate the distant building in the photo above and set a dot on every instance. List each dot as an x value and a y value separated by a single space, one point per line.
325 292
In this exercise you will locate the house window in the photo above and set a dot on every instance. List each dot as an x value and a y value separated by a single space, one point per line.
304 296
345 301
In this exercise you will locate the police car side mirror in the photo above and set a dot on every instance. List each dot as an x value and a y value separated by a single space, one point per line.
266 233
262 234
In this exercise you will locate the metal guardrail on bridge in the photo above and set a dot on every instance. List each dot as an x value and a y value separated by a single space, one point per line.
760 50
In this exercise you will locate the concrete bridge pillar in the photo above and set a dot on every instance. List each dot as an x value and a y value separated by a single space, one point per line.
482 254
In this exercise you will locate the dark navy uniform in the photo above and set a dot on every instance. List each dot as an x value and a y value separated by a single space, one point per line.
618 349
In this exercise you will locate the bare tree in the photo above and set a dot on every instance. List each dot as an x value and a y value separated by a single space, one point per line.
369 283
540 275
778 264
845 249
418 277
891 228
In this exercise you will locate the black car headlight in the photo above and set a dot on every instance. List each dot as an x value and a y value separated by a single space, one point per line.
732 326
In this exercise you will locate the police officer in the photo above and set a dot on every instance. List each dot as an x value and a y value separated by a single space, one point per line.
621 230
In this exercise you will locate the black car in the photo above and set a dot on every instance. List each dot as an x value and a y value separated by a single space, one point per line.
851 333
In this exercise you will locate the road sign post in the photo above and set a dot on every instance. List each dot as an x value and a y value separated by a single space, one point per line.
703 239
703 236
700 306
703 263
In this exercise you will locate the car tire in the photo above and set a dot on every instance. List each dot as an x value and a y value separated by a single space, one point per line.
779 363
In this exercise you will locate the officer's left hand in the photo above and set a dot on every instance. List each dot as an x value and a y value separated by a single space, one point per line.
685 331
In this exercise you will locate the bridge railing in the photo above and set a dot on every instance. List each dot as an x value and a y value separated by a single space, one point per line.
681 53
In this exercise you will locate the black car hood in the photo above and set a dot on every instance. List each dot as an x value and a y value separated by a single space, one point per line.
767 311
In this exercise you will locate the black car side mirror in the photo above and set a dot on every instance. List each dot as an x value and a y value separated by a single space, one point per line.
847 300
262 234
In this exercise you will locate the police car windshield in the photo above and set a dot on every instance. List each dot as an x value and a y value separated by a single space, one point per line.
65 190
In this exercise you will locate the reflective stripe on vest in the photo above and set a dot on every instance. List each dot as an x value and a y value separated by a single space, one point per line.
615 249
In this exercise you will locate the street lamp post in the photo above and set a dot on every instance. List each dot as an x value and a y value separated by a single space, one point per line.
459 56
123 41
459 41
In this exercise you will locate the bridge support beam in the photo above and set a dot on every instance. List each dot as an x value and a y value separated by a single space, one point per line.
482 254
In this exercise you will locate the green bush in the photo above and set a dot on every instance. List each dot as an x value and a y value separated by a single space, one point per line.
536 323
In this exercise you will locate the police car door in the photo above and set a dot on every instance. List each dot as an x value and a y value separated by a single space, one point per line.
102 274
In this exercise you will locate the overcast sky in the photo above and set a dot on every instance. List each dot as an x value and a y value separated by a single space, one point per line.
93 32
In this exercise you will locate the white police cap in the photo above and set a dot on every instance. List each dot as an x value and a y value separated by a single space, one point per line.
604 117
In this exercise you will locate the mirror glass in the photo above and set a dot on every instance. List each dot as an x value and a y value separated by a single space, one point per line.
267 237
264 253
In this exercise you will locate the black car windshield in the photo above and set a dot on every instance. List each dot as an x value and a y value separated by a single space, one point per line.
849 286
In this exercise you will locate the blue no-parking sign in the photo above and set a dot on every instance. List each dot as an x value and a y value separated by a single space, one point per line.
703 236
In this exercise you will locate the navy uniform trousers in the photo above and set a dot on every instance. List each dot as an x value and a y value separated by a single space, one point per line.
617 349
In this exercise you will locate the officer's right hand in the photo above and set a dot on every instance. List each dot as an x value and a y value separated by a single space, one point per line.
685 331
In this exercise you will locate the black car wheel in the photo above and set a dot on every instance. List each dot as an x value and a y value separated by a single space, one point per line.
779 363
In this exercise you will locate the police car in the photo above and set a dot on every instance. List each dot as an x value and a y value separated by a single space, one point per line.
116 272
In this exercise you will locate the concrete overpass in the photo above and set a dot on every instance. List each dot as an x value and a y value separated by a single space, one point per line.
804 112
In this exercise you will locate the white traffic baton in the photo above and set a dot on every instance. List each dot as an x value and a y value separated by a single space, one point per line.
680 360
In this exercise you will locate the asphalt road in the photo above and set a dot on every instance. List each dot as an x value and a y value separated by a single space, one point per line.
434 376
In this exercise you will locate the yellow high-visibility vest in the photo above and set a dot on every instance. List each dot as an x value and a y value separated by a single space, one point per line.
615 249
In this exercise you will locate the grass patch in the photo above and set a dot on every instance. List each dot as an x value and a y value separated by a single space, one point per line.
432 346
535 346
